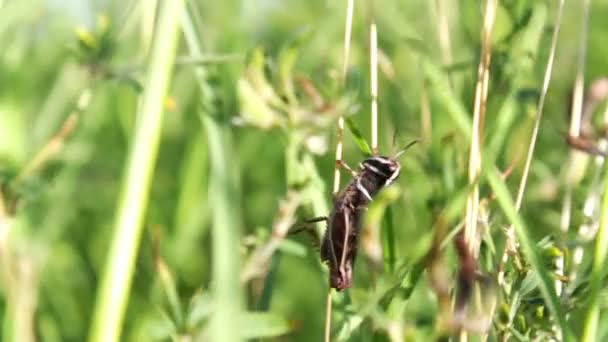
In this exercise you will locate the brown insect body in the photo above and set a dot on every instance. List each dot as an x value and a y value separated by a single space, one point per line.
339 247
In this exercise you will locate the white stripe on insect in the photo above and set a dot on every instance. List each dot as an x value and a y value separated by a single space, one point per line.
361 188
375 170
382 160
393 176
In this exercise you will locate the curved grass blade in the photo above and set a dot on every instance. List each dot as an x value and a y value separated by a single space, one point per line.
359 139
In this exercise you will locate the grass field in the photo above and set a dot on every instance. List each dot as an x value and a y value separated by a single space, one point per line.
154 156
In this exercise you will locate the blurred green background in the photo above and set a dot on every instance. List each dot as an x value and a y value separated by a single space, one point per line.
269 77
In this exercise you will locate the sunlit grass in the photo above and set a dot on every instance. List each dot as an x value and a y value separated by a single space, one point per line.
154 159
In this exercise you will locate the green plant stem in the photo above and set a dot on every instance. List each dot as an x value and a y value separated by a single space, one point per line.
389 240
117 276
225 234
226 264
599 260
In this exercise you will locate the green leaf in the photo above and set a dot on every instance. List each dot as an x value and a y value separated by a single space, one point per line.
261 325
361 142
292 247
255 110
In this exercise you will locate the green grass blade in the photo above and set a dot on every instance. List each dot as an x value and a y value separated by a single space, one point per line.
261 325
359 139
117 276
225 242
389 240
598 271
225 234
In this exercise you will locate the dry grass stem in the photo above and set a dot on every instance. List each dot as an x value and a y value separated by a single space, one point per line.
258 262
328 306
577 160
339 134
577 96
444 33
55 144
340 130
481 94
373 47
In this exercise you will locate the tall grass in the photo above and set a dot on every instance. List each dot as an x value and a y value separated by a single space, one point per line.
118 274
148 187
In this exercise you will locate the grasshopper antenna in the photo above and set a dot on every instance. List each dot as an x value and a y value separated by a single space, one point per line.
398 154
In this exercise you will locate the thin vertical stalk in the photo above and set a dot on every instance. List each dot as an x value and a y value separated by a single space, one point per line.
601 247
577 100
350 8
511 242
55 144
481 94
475 161
576 158
373 66
117 276
225 233
541 105
340 130
444 34
328 306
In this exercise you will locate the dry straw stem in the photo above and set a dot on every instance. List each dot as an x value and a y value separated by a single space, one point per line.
577 160
577 99
20 273
444 33
56 143
328 305
259 259
481 95
373 66
350 7
601 248
598 91
511 240
576 111
340 129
